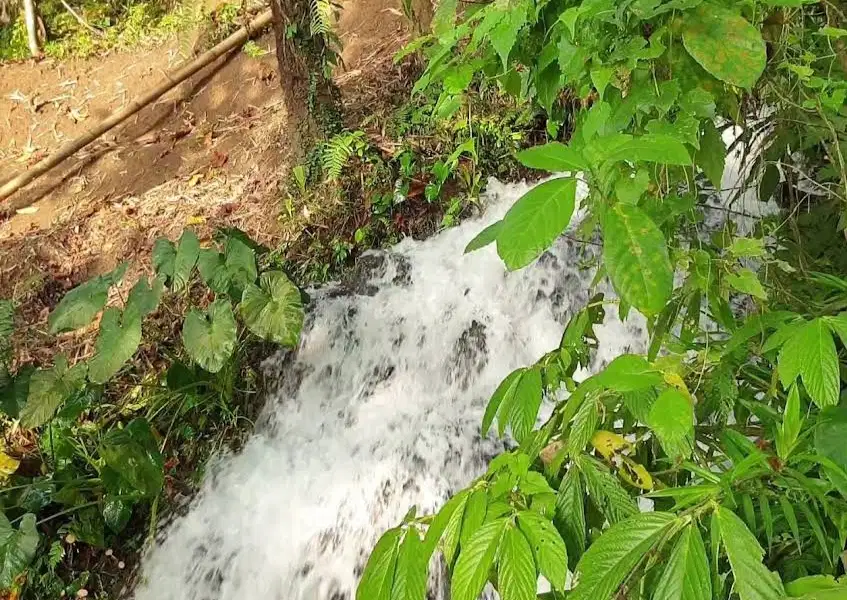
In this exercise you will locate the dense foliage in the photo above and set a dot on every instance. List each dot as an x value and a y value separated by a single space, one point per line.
733 424
98 460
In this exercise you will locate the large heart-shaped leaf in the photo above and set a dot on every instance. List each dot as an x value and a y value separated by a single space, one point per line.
116 343
133 452
535 221
230 271
186 257
210 338
724 44
79 306
49 388
17 548
273 310
144 298
636 258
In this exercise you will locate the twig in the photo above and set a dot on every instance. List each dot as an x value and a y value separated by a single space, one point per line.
80 20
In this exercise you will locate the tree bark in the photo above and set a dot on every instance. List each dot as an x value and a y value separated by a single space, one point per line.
31 27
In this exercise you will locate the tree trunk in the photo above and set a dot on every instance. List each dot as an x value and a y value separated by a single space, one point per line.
310 96
31 27
422 10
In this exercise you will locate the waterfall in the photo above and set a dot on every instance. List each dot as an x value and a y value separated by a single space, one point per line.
378 410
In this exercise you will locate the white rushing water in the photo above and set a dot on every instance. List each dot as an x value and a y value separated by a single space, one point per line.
379 410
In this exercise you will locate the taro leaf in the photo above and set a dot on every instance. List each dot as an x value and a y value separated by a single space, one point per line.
636 258
79 306
273 310
116 343
535 221
17 548
14 395
186 257
210 337
49 388
164 256
212 267
724 44
134 454
143 298
240 263
116 512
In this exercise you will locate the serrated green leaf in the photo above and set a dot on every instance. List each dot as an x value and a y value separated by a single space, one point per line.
48 390
548 548
753 580
410 573
484 237
504 35
523 408
651 148
629 373
17 548
636 258
79 306
516 576
475 560
273 310
811 354
535 221
584 425
610 559
724 44
133 452
378 578
711 157
505 390
672 419
453 530
474 515
209 338
117 341
606 492
440 524
570 514
554 157
817 587
600 77
745 281
686 576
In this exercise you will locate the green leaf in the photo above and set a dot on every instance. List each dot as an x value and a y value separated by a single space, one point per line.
475 560
210 337
630 188
672 419
724 44
378 577
117 341
817 587
450 513
79 306
116 512
600 77
811 354
831 433
711 157
570 514
548 548
506 389
744 247
651 148
273 310
554 157
164 257
629 373
410 574
444 18
753 580
505 33
606 492
791 519
17 548
636 258
745 281
686 576
48 390
474 515
584 425
535 221
231 271
143 298
133 452
484 237
611 558
523 409
792 422
186 256
767 518
516 577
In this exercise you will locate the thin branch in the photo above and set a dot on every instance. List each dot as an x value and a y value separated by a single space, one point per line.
80 20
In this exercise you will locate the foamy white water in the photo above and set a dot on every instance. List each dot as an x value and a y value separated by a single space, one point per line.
379 410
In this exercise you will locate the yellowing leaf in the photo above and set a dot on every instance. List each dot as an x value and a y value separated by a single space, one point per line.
8 465
635 474
674 380
609 444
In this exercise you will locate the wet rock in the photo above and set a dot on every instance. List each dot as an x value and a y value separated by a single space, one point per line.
470 355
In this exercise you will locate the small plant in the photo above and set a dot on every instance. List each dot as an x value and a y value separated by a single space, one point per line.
339 149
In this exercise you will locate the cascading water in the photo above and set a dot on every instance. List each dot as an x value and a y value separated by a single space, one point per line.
379 410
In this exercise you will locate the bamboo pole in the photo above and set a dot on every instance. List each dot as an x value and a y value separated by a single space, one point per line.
173 79
31 27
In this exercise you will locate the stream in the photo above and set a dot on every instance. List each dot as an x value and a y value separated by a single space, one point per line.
379 410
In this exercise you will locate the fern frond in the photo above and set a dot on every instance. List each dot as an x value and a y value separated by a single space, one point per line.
321 17
338 150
